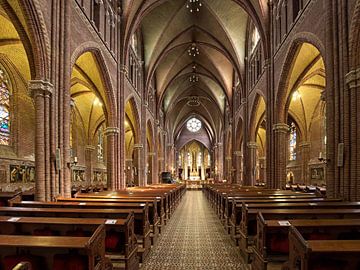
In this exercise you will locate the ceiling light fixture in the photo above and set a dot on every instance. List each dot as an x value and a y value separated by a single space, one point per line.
193 5
193 50
194 78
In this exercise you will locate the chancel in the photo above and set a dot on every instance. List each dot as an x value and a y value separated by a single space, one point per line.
179 134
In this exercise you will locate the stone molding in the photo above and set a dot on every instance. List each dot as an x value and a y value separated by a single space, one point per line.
40 87
228 158
138 146
353 78
238 153
252 145
304 144
90 147
111 131
281 127
151 154
124 69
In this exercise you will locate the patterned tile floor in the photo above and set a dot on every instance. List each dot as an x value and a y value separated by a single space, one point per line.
194 239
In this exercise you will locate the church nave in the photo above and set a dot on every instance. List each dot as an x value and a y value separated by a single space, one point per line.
194 239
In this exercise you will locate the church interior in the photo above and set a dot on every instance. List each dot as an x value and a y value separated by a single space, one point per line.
180 134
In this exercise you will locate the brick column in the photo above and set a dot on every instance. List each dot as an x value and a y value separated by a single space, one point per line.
41 92
251 164
113 182
138 180
238 167
89 156
353 183
281 131
304 148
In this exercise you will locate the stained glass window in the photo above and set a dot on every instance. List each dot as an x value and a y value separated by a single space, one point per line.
292 142
193 125
100 145
254 39
4 109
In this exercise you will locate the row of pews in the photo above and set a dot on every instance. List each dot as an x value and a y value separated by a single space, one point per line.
94 230
285 229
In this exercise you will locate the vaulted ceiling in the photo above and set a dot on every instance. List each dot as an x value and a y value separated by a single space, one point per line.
218 32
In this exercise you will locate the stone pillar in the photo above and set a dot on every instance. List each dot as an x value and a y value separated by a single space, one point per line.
120 151
89 156
281 131
113 183
304 148
252 148
262 169
161 166
129 177
238 167
41 92
228 174
220 163
138 179
150 168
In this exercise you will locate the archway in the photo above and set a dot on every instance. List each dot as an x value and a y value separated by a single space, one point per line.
305 114
257 143
238 152
194 161
89 110
132 146
17 110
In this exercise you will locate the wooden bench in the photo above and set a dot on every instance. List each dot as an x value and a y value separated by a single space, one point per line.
153 217
164 199
142 225
233 206
156 206
121 244
272 244
6 196
322 254
248 228
88 250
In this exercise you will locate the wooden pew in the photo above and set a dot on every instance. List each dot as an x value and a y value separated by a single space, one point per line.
153 217
156 206
6 196
142 225
233 207
248 229
272 244
322 254
164 197
46 248
119 232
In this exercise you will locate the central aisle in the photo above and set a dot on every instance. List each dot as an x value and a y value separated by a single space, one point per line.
194 239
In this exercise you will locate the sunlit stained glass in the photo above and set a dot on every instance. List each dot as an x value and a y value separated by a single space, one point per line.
292 142
193 125
4 109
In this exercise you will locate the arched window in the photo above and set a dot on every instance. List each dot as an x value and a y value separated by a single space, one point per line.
4 108
134 43
100 144
292 142
255 38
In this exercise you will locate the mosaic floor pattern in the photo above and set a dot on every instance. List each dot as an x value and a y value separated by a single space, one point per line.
194 239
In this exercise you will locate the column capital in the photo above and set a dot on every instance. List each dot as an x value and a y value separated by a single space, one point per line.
128 160
111 131
90 147
40 87
238 153
160 159
170 145
138 146
219 144
252 145
228 158
304 144
281 127
124 69
353 78
151 154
